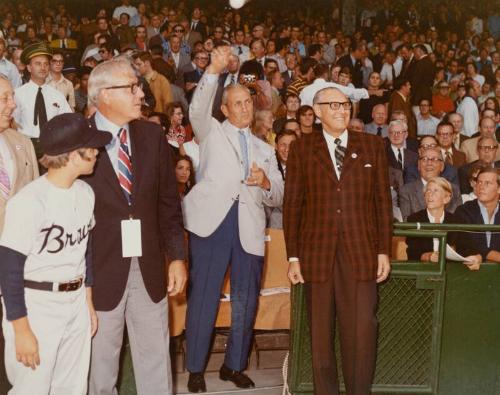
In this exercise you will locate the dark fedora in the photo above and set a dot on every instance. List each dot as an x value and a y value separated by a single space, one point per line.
71 131
35 49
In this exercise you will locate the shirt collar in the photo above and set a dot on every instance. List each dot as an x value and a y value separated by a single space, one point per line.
484 213
104 123
432 220
235 129
331 140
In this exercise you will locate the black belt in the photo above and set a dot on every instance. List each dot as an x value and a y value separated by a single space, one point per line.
55 287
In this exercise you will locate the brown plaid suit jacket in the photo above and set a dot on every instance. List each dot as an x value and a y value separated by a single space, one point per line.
320 210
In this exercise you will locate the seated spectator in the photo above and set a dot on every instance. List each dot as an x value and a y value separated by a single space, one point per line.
184 174
426 123
282 144
482 246
398 156
487 128
177 133
58 81
437 195
305 77
292 104
263 126
445 136
192 149
411 195
377 96
379 124
124 32
291 125
449 172
356 125
487 150
473 172
411 143
306 118
81 93
441 101
277 82
191 78
458 123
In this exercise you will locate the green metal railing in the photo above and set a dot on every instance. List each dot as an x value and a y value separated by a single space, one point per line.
411 309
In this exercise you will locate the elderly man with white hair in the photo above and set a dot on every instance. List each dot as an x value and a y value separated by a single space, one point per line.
138 230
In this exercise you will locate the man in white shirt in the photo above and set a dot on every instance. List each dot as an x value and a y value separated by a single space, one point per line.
239 48
468 108
124 8
36 101
321 75
8 68
58 81
388 73
426 123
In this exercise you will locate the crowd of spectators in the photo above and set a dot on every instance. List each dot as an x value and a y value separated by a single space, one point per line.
424 78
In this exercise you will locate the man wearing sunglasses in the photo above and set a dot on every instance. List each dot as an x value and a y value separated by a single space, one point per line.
338 228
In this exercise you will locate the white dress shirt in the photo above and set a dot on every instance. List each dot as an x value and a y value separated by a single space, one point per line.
469 111
104 124
24 114
330 142
432 220
307 94
8 160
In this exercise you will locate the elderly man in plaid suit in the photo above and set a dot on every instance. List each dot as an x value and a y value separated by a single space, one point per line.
338 228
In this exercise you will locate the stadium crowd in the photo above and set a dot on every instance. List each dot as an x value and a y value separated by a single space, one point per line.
424 78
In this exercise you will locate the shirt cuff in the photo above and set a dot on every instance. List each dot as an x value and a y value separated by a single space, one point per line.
293 259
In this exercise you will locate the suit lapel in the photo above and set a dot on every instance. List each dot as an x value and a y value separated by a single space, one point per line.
106 168
352 154
136 158
323 156
19 163
419 186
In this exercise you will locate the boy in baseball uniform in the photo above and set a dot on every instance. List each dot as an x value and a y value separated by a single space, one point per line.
45 275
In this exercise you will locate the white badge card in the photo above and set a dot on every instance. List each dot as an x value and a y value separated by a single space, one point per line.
131 238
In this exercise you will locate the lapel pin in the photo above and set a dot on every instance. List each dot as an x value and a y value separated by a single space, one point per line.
354 155
56 105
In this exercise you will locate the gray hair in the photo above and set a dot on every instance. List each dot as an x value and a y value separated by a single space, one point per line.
318 94
398 122
103 75
230 88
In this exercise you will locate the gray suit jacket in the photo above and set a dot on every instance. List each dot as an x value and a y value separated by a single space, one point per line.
411 198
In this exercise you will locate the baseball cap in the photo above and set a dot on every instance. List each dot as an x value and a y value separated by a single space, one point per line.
68 132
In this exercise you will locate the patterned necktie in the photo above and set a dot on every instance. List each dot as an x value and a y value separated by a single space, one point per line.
400 159
4 179
339 154
448 158
40 116
244 151
233 79
124 165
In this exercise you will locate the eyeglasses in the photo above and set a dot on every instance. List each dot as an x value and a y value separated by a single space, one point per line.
426 159
397 132
335 105
134 88
201 57
427 146
487 148
179 30
57 61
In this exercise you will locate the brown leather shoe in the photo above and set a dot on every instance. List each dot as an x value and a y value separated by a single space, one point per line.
196 383
239 379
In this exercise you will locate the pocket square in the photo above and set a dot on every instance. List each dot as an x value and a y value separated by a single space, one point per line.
368 165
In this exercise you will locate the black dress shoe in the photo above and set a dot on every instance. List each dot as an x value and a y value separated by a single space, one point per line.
239 379
196 383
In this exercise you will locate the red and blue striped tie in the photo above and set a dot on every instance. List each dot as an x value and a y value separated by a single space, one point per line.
124 165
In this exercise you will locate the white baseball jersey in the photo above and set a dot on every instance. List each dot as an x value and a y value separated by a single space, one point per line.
50 225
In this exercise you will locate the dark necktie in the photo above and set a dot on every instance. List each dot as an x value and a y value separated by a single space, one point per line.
379 130
63 44
393 73
40 117
233 79
240 51
448 159
339 154
400 159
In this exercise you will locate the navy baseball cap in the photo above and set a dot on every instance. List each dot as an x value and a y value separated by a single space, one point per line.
71 131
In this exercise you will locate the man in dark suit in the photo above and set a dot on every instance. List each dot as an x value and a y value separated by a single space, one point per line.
445 136
487 148
337 200
484 210
191 78
398 155
490 69
400 101
196 24
411 195
422 75
138 231
353 62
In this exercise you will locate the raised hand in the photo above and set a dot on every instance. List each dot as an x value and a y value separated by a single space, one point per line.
219 59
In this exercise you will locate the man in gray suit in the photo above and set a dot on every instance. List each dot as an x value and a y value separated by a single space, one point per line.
224 214
411 195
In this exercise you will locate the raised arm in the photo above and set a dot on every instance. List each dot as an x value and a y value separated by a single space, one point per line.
200 110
